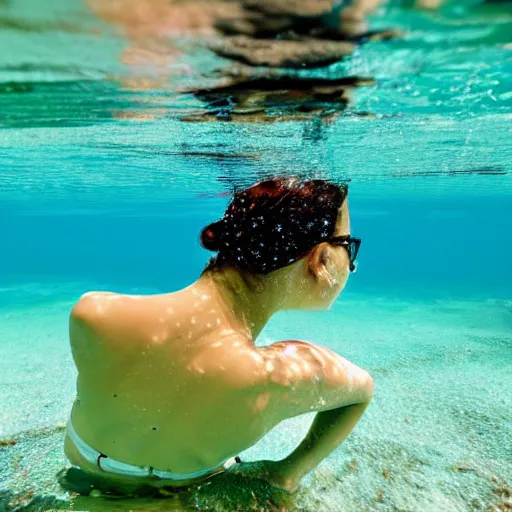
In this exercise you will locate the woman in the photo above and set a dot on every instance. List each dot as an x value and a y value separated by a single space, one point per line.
171 387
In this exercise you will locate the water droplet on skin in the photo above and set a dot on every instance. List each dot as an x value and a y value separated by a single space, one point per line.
178 324
193 320
257 357
289 350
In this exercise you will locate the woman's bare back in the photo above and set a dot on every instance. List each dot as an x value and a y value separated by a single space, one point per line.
170 381
164 382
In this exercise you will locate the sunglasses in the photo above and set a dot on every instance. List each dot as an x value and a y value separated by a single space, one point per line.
351 244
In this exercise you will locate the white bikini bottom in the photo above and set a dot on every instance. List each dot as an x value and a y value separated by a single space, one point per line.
110 465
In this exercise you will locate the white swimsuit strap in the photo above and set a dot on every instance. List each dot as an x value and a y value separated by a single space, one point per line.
110 465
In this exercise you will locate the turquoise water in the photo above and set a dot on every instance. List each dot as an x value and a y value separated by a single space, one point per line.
104 187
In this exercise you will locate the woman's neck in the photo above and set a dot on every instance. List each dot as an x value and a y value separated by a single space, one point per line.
249 300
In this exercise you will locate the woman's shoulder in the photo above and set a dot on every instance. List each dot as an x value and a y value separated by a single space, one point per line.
113 314
93 305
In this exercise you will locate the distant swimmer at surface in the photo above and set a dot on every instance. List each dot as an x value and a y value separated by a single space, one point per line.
171 387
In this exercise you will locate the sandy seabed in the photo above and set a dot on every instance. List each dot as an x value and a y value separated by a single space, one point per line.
437 436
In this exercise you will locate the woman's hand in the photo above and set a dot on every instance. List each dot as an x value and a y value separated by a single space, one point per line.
270 471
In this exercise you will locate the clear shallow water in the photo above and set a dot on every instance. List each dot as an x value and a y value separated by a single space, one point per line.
103 187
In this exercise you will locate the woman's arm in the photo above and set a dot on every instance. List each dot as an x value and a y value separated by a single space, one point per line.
306 378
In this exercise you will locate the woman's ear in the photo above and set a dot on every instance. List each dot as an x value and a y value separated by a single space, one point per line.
319 263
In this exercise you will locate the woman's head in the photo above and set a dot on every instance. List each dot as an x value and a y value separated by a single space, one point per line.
280 222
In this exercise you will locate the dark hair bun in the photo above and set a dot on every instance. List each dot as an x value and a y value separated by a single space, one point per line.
210 237
273 223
